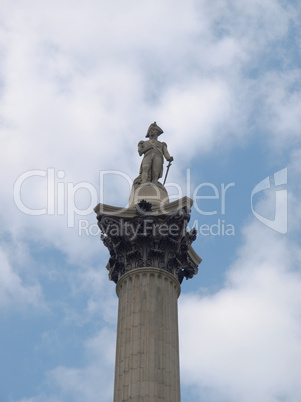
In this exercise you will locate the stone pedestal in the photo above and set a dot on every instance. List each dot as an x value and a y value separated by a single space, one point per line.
156 195
150 255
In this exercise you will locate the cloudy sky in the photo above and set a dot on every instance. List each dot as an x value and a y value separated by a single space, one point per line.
80 82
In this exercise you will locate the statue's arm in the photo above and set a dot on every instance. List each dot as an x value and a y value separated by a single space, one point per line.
166 153
143 147
140 148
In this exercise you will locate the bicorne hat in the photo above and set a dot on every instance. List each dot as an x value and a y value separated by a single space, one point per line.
154 126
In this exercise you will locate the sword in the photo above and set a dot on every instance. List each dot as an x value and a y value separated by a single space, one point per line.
168 166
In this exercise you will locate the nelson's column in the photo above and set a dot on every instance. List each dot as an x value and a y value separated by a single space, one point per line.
150 254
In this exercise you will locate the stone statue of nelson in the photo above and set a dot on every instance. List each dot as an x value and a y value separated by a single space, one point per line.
151 168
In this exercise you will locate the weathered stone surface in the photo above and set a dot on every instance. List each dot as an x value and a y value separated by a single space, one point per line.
150 254
147 351
148 239
130 212
153 151
156 195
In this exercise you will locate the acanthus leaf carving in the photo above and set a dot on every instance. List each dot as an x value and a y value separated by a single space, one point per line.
146 240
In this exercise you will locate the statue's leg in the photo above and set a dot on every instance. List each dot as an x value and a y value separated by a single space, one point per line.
144 177
146 168
156 168
155 176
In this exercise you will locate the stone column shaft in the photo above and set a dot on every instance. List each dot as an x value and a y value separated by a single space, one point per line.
150 254
147 351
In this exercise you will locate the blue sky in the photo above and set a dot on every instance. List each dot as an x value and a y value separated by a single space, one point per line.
80 82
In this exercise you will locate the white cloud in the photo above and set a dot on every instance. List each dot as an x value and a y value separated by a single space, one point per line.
278 94
14 293
243 343
76 96
203 114
80 83
40 398
100 296
93 382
